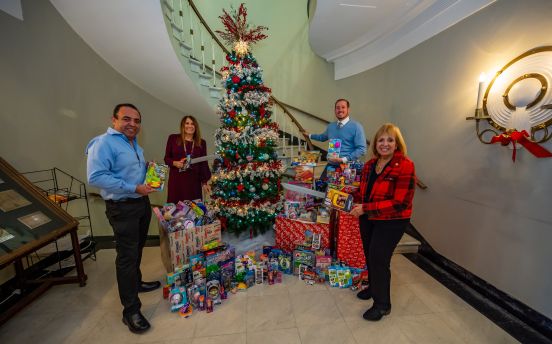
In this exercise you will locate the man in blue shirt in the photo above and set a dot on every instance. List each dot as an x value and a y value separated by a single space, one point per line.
116 166
350 132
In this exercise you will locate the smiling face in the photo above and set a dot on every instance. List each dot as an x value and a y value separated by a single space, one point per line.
341 110
127 121
386 145
189 127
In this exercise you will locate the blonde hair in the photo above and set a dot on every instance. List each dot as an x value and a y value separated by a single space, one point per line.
392 130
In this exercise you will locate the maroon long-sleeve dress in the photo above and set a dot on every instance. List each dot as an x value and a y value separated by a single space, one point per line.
185 185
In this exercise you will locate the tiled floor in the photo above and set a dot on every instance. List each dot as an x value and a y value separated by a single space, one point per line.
292 312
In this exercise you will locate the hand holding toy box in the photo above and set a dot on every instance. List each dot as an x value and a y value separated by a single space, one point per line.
156 175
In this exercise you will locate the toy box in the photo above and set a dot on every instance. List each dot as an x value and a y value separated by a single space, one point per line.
156 175
338 200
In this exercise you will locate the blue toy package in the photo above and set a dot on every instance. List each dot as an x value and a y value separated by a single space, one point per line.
178 298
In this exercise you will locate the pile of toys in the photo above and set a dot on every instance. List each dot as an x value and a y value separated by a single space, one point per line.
183 215
216 271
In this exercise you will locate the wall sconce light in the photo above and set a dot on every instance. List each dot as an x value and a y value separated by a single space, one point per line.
517 103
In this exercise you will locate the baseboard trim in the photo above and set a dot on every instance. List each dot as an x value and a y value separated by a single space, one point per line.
532 318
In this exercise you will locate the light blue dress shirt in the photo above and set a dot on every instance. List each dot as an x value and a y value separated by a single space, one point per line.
115 166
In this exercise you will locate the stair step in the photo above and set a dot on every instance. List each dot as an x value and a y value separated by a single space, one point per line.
407 244
205 79
176 31
185 49
215 92
195 65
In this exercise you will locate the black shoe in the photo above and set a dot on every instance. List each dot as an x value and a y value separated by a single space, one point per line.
364 294
136 323
375 314
148 286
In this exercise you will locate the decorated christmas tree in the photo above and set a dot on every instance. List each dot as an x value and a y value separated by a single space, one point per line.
246 190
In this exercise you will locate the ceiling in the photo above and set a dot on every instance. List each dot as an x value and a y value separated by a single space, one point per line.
357 35
119 31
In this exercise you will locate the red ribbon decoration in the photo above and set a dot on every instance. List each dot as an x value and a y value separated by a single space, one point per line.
521 138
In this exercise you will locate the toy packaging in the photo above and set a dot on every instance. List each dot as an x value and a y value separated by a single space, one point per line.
178 298
338 200
304 173
309 158
156 175
334 148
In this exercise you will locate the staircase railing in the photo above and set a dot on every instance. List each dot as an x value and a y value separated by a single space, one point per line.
289 125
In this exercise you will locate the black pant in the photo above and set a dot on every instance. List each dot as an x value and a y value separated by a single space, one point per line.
130 221
379 239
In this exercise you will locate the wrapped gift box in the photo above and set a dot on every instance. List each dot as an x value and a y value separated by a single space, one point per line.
290 233
177 247
349 244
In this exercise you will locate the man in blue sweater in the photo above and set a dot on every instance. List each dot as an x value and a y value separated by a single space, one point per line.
116 166
350 132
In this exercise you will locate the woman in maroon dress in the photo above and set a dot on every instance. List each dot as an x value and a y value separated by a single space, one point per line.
186 184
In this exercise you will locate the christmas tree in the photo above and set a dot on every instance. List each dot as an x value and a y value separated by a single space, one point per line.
246 190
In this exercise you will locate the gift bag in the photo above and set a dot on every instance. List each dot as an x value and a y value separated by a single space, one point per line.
349 243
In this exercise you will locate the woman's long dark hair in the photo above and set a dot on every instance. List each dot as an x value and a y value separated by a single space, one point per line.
197 133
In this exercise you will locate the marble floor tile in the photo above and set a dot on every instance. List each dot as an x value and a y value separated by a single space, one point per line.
314 308
335 333
68 327
22 327
350 307
278 336
437 297
384 331
167 325
473 327
405 302
268 313
227 318
426 329
236 338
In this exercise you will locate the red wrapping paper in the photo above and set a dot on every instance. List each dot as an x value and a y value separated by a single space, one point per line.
349 244
290 233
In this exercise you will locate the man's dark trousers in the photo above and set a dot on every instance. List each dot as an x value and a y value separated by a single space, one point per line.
130 221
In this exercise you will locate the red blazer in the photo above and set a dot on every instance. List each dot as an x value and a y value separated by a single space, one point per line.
393 190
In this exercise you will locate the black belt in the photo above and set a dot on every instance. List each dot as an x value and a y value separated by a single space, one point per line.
125 200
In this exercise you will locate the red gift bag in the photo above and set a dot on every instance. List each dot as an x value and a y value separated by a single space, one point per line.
349 244
290 233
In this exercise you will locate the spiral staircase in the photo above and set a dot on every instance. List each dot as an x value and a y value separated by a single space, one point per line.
197 50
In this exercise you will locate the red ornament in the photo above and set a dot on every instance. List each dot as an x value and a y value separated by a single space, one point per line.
232 113
235 79
262 111
240 187
266 180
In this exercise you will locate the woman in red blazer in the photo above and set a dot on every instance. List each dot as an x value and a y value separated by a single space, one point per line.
386 191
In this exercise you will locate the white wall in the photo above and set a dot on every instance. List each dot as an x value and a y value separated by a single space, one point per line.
482 211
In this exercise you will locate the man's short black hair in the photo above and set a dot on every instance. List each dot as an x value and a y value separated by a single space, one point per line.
342 100
119 106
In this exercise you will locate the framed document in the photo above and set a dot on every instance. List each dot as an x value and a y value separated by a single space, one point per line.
10 200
